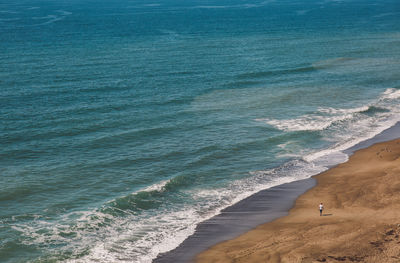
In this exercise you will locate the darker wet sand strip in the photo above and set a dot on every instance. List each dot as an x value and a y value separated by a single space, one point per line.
361 222
237 219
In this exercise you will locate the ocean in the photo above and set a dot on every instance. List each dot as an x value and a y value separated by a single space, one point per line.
124 124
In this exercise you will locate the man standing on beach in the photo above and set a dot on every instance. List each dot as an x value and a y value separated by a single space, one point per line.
321 207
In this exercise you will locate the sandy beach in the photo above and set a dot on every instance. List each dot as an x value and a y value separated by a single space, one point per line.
360 222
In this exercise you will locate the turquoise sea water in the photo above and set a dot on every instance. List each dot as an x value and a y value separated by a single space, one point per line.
123 124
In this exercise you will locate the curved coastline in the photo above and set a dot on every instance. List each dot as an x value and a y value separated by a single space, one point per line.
258 209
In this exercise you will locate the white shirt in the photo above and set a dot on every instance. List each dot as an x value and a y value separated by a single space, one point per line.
321 207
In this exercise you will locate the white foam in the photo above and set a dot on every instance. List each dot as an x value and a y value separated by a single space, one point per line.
361 129
323 118
142 241
366 132
320 120
391 94
304 123
343 111
156 187
352 127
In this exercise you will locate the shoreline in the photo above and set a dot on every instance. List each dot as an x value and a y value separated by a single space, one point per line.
360 223
258 209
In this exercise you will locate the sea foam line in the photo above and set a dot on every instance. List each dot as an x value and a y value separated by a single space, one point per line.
323 118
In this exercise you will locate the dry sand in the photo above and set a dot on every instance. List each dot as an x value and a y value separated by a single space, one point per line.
361 221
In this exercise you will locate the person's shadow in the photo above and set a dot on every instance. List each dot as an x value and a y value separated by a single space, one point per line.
327 214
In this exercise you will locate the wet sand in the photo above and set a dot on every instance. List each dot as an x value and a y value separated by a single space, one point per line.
361 221
237 219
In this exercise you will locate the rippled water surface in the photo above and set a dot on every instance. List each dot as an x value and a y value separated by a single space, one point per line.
123 124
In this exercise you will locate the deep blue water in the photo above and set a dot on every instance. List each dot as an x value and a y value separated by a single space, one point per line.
123 124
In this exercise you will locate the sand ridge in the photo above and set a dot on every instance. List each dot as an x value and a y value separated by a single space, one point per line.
361 221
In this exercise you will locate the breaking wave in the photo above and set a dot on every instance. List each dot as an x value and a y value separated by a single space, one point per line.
324 118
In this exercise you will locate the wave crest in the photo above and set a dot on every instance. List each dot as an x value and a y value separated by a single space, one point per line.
320 120
324 118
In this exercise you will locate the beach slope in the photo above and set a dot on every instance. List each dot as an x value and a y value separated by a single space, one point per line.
361 220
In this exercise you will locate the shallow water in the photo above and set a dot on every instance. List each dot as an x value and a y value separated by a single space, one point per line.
125 124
